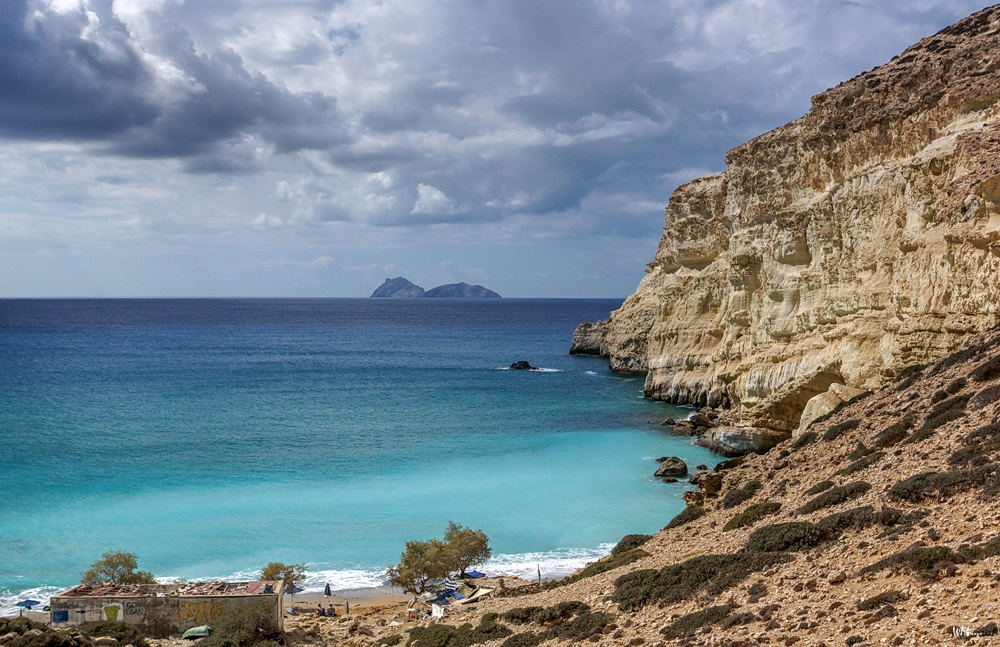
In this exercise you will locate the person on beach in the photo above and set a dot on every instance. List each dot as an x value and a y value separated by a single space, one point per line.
319 610
330 613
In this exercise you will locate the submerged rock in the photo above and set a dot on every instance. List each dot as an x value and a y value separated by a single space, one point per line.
522 366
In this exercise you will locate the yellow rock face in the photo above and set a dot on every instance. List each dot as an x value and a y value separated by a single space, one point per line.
835 250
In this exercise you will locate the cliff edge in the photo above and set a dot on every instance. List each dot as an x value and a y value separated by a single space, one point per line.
835 250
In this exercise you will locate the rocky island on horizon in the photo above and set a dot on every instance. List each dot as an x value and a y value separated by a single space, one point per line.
401 288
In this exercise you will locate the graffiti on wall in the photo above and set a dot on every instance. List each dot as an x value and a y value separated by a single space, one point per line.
113 612
201 613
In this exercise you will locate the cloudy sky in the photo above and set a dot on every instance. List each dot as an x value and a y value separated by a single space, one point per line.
316 147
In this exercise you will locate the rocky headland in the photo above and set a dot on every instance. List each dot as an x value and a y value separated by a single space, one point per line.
835 250
400 288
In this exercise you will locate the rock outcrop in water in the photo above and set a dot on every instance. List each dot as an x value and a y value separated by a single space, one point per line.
833 251
398 288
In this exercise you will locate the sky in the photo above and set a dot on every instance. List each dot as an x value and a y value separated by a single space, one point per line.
169 148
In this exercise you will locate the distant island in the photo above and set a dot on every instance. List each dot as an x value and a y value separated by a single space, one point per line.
400 288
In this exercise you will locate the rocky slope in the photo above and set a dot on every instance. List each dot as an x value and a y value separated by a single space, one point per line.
877 526
835 250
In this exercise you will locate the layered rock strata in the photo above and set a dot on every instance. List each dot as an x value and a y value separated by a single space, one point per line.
833 251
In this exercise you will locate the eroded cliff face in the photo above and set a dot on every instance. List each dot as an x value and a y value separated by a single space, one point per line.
835 250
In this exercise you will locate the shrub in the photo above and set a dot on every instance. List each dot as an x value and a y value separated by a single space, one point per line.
803 440
835 496
687 515
920 486
388 641
822 486
956 403
984 433
710 574
834 432
463 636
988 370
527 639
923 560
688 624
123 632
600 566
629 542
584 623
736 619
39 635
752 515
559 613
861 464
243 626
19 625
985 397
932 424
860 451
880 600
956 385
521 615
736 496
896 431
788 536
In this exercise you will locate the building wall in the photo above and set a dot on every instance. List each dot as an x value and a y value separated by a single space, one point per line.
154 616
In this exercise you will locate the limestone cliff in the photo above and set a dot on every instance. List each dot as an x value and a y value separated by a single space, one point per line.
835 250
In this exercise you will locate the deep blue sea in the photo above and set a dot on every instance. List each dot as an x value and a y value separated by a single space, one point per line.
212 436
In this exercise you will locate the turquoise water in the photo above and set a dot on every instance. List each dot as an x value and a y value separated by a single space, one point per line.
211 437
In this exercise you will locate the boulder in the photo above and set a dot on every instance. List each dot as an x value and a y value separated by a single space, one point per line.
670 466
701 420
824 403
522 366
106 641
694 497
668 421
739 441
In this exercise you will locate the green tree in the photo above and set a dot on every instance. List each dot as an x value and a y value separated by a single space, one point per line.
289 574
116 567
421 562
467 547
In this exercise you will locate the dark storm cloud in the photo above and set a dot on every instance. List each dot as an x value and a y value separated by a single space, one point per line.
81 77
55 84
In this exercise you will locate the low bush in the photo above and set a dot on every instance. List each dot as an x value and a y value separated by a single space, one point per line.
822 486
924 560
602 565
19 625
835 496
527 639
880 600
388 641
985 397
462 636
803 440
39 635
737 619
709 574
860 451
939 395
739 495
788 536
123 632
687 515
686 625
908 376
988 370
861 464
834 432
560 612
853 519
243 626
521 615
896 431
629 542
752 515
956 385
586 622
919 486
957 403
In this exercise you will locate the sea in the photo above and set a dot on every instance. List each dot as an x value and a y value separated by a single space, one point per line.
213 436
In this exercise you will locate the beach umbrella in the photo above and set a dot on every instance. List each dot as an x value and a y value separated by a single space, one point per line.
27 604
347 607
326 591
